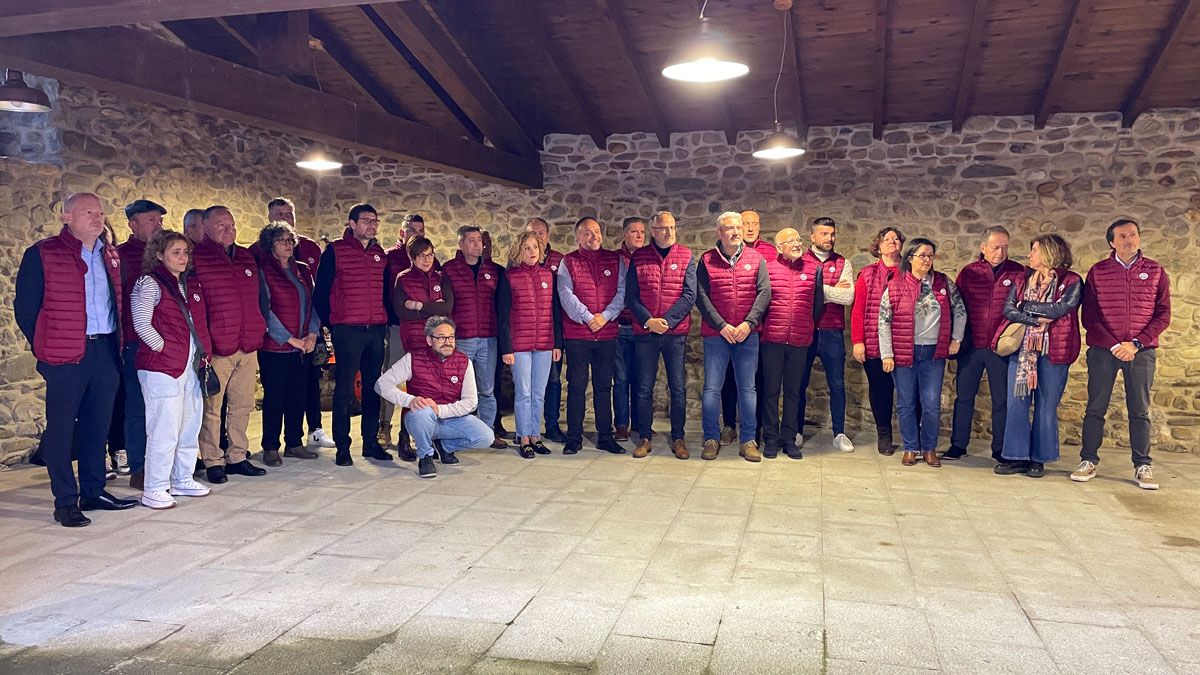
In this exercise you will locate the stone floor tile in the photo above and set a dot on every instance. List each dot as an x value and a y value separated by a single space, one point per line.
1077 648
955 568
365 611
601 580
307 656
853 487
388 491
851 667
618 538
1079 600
628 654
985 658
955 615
621 471
429 562
718 500
156 567
662 485
432 645
227 633
1174 631
530 551
466 482
644 509
430 508
850 541
707 528
93 646
492 666
32 544
883 582
782 552
886 634
543 476
728 479
142 666
486 594
789 494
672 612
858 512
784 519
556 630
743 646
314 582
564 518
663 462
305 501
234 528
692 564
588 491
275 551
771 597
939 531
513 499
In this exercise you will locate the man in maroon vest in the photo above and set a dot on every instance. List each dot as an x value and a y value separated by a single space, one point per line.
1126 306
591 292
732 294
397 261
351 298
145 218
228 275
553 409
829 341
625 370
440 394
68 306
660 289
193 225
984 286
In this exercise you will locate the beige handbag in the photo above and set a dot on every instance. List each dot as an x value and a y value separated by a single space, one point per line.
1010 339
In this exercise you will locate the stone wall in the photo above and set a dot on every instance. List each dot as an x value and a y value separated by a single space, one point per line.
1074 177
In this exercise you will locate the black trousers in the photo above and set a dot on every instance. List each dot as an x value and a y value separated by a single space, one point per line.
598 357
312 396
782 370
282 375
1102 375
79 394
359 349
971 366
881 391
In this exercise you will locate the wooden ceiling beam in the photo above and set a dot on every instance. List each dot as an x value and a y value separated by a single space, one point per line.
281 40
134 63
237 35
614 16
418 27
883 19
971 57
1183 15
340 54
1071 35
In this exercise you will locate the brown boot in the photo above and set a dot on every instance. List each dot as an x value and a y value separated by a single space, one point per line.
931 459
384 437
404 448
642 449
272 458
680 450
301 452
711 449
622 434
908 458
750 452
884 443
728 435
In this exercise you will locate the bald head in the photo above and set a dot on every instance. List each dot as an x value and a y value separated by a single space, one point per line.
789 244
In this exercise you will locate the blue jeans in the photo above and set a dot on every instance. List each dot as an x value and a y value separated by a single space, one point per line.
830 346
648 347
923 378
455 433
717 355
482 352
135 412
1036 442
530 370
625 381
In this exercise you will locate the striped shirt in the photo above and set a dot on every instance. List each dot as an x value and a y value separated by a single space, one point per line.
143 300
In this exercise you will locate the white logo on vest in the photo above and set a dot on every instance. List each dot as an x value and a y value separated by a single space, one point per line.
1008 282
746 267
196 297
554 268
115 262
943 291
310 261
545 285
674 266
1143 276
454 379
376 257
437 288
248 273
487 276
608 273
803 277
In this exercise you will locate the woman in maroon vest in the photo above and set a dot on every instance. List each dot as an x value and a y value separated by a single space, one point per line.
921 322
530 341
864 330
169 317
1046 301
285 298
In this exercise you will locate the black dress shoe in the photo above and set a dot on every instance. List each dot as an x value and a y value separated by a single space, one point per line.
770 454
445 457
572 447
216 475
342 458
404 448
954 452
611 446
526 451
1006 468
376 452
540 449
554 434
71 517
1036 470
245 468
793 452
105 502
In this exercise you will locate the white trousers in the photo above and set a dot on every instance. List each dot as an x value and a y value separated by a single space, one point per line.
174 411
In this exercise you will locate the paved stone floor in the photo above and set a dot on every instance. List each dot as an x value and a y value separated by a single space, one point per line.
835 564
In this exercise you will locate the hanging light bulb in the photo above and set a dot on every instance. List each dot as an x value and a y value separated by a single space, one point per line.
16 96
318 160
780 144
707 58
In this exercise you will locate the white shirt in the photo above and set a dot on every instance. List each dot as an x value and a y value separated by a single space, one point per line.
388 386
834 295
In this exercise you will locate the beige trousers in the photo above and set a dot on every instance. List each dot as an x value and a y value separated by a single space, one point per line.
238 374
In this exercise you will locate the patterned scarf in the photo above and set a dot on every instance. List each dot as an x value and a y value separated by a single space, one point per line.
1037 339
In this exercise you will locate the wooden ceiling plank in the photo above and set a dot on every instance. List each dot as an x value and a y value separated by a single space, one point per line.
1182 16
968 79
614 16
362 80
1071 34
883 11
237 35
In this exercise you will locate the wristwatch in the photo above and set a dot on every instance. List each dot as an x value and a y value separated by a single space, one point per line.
1137 343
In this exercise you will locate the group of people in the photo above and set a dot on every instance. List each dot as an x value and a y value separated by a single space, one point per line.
187 323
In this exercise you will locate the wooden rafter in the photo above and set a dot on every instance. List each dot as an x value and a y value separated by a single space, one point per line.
139 65
614 15
340 54
1071 35
1182 16
966 80
236 35
883 19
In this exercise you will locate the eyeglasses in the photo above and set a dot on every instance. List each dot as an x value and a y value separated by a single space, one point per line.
368 221
925 256
426 254
788 242
443 338
286 240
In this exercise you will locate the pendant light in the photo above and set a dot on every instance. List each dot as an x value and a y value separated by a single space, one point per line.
707 58
780 144
16 96
318 160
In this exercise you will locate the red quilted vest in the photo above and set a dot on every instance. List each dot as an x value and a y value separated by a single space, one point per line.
1064 331
984 294
875 277
357 297
422 287
308 252
765 248
132 253
834 315
732 288
626 253
432 377
532 322
171 324
660 283
1122 303
903 291
285 300
60 335
474 311
594 277
789 318
230 290
553 259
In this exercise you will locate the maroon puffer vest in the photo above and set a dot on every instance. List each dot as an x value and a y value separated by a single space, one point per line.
1124 301
789 319
594 277
903 292
532 323
660 283
434 378
285 300
765 248
553 260
230 289
132 253
308 252
474 310
1063 331
356 297
397 262
626 253
984 294
732 288
834 315
60 334
171 324
876 277
422 287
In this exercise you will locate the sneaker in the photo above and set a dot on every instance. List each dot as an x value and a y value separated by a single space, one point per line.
1144 476
728 436
1085 472
800 440
122 463
190 488
425 467
842 443
110 472
320 439
158 500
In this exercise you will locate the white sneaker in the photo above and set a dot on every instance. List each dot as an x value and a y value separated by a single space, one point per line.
1145 478
110 473
190 488
122 463
842 443
158 499
320 439
1084 473
799 440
